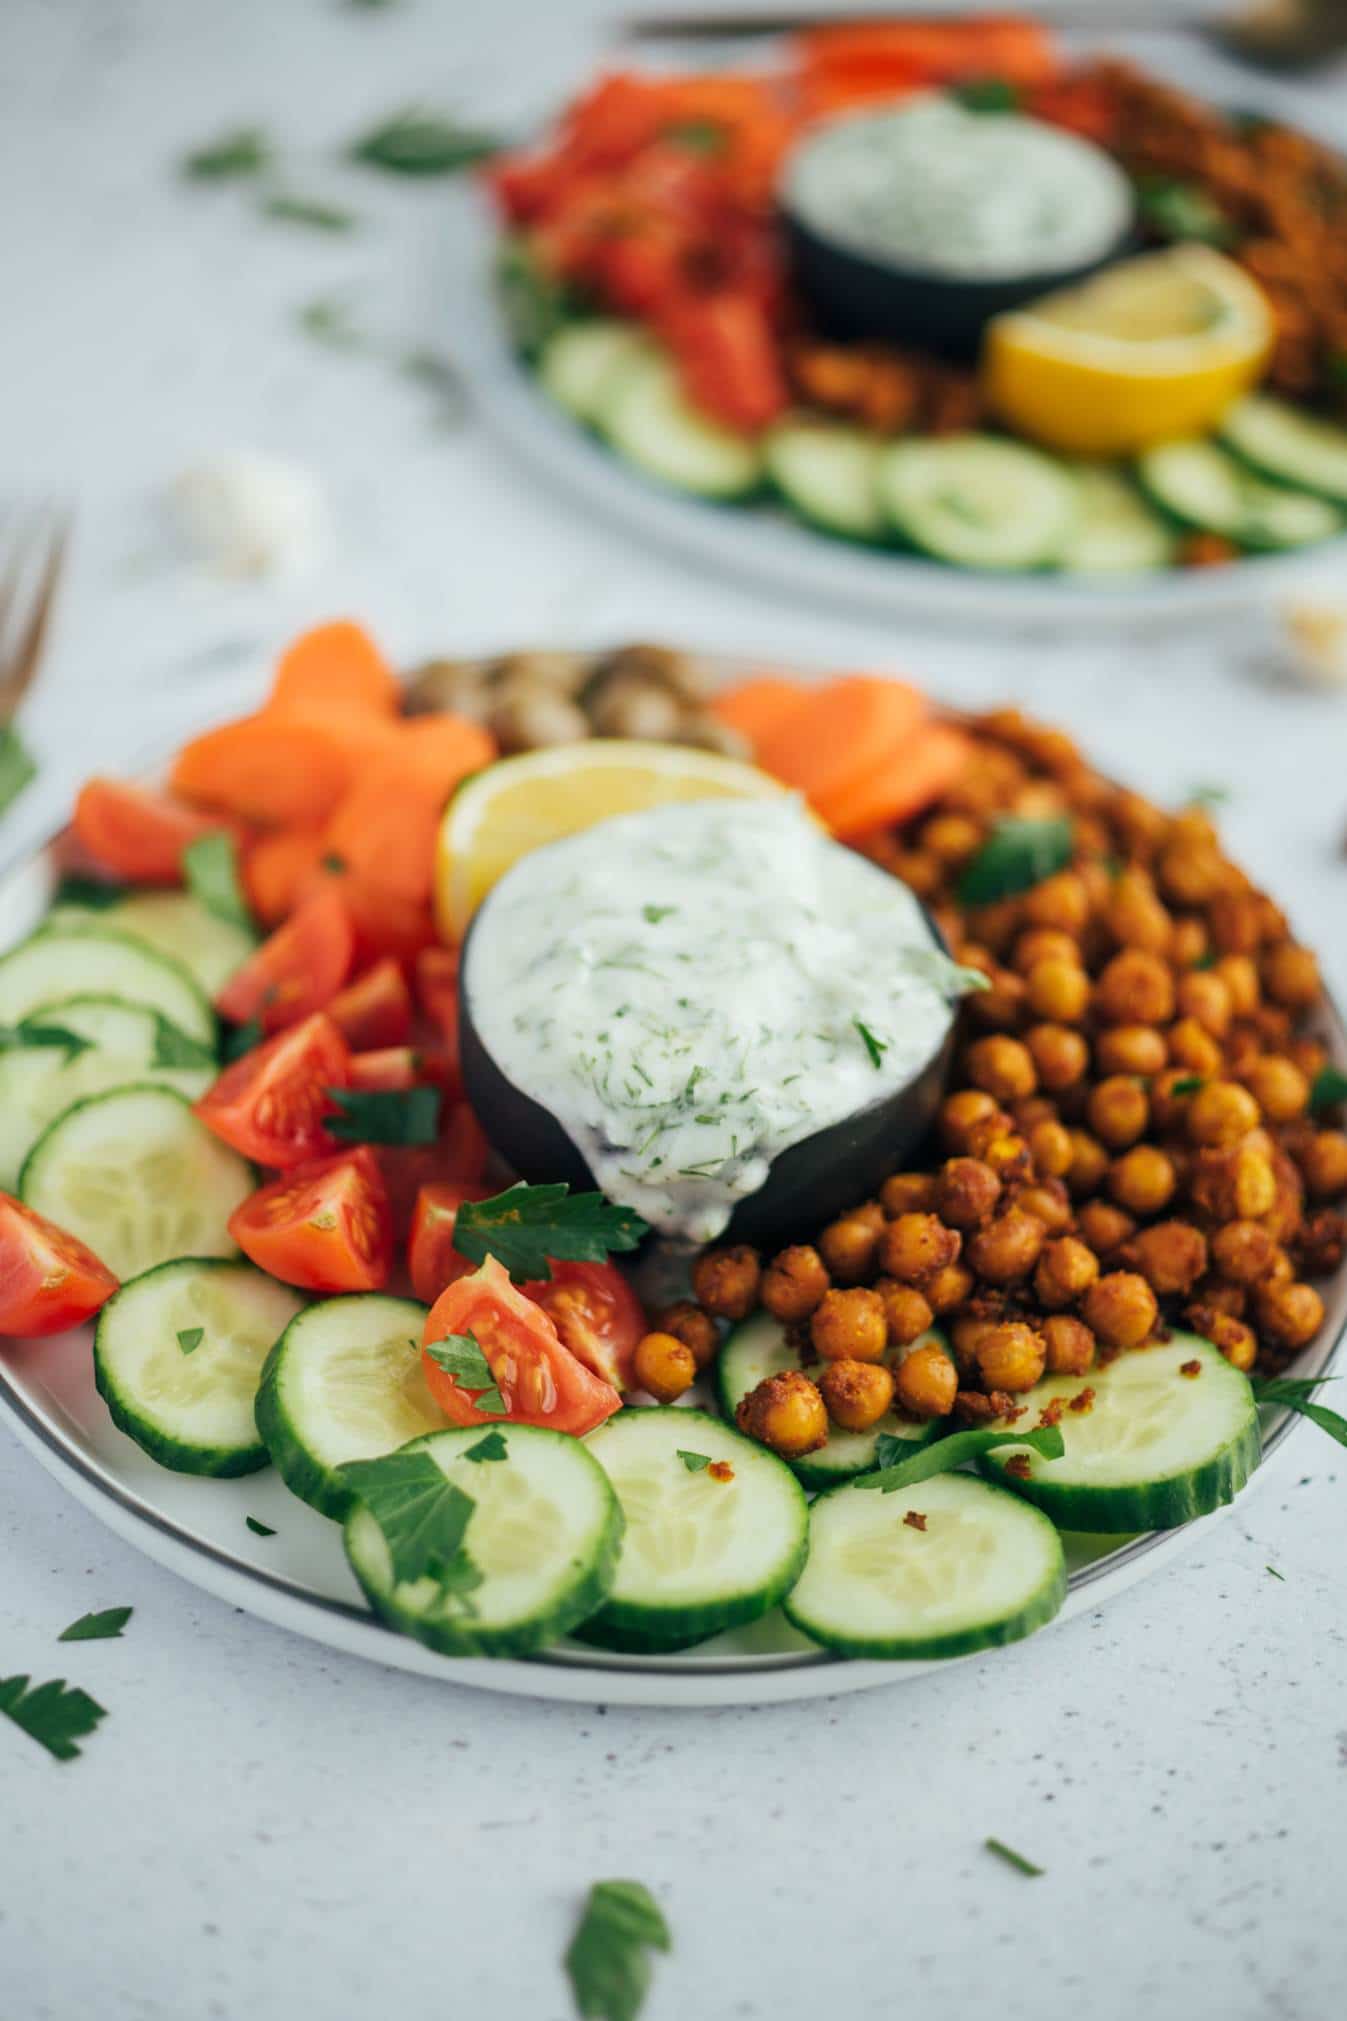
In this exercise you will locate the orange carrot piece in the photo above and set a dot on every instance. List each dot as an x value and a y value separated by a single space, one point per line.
383 831
837 734
442 749
279 868
334 667
907 778
759 705
267 769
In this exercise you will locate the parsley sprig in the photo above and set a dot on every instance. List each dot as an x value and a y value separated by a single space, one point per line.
526 1225
210 868
460 1355
1017 855
386 1115
608 1961
55 1715
423 1516
951 1452
1297 1393
104 1627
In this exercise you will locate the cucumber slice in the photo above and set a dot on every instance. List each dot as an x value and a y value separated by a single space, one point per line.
1288 445
1156 1448
700 1554
1203 486
38 1082
979 502
172 923
828 474
545 1534
1117 532
191 1408
759 1348
136 1176
647 420
61 961
977 1576
579 365
344 1382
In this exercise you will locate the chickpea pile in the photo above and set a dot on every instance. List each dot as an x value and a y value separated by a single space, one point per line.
1126 1144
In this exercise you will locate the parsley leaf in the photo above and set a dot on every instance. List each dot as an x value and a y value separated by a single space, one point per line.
245 151
1182 210
695 1463
525 1225
698 136
328 321
33 1033
386 1115
242 1040
1206 795
302 210
173 1048
54 1715
1275 1573
1017 855
608 1961
653 914
1297 1393
1189 1085
259 1529
190 1338
423 1516
987 94
18 768
90 893
1328 1088
210 868
1012 1858
104 1627
875 1047
492 1447
416 142
460 1356
951 1452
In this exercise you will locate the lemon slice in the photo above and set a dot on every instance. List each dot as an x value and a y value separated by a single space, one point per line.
501 813
1153 348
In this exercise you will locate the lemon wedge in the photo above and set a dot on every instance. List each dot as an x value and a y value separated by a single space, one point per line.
502 812
1153 348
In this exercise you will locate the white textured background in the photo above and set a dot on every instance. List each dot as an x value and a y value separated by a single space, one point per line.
261 1829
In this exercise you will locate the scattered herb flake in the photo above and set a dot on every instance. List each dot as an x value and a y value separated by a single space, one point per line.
653 914
698 136
957 1447
174 1048
328 321
608 1961
1188 1085
18 768
1329 1087
423 1516
987 94
210 868
55 1715
302 210
190 1338
244 151
526 1225
1275 1573
386 1115
259 1529
1297 1393
91 893
875 1047
695 1463
1182 210
242 1039
418 142
1206 794
104 1627
1012 1858
32 1032
1018 854
492 1447
460 1355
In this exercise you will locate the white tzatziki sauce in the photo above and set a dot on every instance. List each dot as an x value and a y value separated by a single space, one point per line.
976 195
691 990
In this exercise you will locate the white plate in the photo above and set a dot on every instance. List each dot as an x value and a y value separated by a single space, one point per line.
764 543
299 1578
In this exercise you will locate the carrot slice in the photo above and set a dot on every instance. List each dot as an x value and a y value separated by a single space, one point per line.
838 733
278 869
759 705
134 833
442 749
908 777
267 769
334 666
384 836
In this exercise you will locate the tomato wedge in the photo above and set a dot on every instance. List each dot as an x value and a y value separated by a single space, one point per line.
539 1381
272 1104
298 970
375 1010
432 1259
457 1158
140 835
49 1281
324 1227
597 1314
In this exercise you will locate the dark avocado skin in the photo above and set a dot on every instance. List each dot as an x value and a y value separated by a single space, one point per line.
809 1184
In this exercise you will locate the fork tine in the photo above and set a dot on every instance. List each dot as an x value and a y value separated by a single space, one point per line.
22 658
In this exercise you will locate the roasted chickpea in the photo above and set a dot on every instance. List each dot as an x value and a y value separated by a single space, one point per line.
948 1288
1234 1183
848 1246
1134 915
1065 1272
794 1282
1089 1164
695 1328
1202 996
1310 1055
1060 901
1221 1113
1237 1341
1002 1067
1011 1356
1235 922
921 873
1242 1252
726 1281
1143 1180
1321 1243
1058 990
664 1365
1008 1156
1171 1256
1170 1094
909 1192
1118 1111
1069 1345
1222 1297
1240 976
785 1412
1278 1086
1000 1006
1130 1049
907 1312
966 1192
925 1383
1291 976
850 1325
1033 1110
1323 1162
857 1393
1044 943
1008 1247
1059 1055
1288 1315
1120 1309
1136 988
966 1330
915 1246
951 838
1048 1201
1050 1148
1189 942
1193 1049
1190 873
1104 1227
959 1114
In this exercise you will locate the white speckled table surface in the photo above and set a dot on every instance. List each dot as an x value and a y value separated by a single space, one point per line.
262 1828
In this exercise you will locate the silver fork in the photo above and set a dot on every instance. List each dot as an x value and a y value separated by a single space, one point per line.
33 541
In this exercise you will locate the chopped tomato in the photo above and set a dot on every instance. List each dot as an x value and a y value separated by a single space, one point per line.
49 1281
273 1103
539 1381
140 835
392 1069
431 1256
375 1010
298 970
729 358
437 994
597 1314
458 1157
324 1227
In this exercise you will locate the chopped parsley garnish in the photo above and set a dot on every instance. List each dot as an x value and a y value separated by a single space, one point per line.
190 1338
328 321
245 151
18 768
653 914
423 1516
460 1356
699 136
386 1115
259 1529
695 1463
1182 210
210 868
1206 795
32 1032
55 1715
987 94
92 894
875 1047
1328 1088
242 1039
608 1959
104 1627
492 1447
416 142
1275 1573
1017 855
1297 1393
173 1048
1012 1858
302 210
1189 1085
951 1452
526 1225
